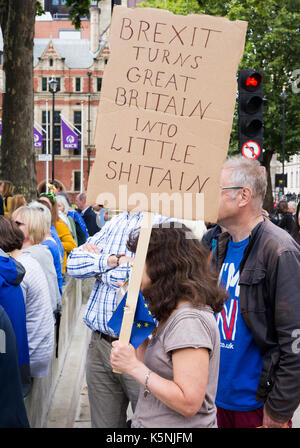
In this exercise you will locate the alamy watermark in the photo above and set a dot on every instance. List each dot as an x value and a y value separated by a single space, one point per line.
296 342
296 81
181 206
2 341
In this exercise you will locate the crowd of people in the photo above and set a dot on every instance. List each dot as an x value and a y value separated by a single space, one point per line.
35 241
224 352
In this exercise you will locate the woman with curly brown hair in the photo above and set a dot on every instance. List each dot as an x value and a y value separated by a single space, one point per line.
178 367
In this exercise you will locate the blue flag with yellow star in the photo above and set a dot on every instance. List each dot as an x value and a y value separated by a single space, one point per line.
143 323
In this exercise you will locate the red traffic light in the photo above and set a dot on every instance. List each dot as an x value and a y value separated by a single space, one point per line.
252 81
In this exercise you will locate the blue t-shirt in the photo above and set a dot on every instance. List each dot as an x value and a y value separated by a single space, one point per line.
240 359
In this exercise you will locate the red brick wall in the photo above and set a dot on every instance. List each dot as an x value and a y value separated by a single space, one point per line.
64 169
44 29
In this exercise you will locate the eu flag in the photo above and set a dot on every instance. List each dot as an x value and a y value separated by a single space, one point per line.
143 323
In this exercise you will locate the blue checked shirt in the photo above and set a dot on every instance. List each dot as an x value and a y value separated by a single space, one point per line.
111 239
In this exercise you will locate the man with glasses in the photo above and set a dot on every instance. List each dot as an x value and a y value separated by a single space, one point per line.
259 266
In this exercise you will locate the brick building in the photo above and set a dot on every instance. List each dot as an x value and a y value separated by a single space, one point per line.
76 59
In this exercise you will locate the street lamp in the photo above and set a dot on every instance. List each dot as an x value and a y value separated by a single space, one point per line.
53 83
283 96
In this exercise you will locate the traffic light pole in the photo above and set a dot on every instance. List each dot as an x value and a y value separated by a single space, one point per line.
283 96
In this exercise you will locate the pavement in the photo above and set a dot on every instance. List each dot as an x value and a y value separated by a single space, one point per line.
83 415
70 404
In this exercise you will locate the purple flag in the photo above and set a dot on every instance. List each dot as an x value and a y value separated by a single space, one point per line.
37 138
69 138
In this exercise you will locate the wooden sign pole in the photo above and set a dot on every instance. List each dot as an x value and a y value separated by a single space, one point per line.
136 278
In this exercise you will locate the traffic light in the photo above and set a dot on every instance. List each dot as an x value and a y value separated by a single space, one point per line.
250 113
280 180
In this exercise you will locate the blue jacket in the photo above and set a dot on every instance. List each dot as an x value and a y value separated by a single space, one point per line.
55 236
78 218
12 300
52 246
81 228
13 412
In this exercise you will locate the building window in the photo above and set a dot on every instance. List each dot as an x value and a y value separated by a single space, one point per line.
78 84
77 124
58 84
44 126
51 62
44 84
46 87
57 133
76 180
69 34
99 84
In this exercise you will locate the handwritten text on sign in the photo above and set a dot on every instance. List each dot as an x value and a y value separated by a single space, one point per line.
164 118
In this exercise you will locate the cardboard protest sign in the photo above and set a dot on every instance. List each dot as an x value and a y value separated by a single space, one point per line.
166 111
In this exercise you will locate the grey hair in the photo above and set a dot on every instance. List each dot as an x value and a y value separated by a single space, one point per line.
43 208
248 173
62 200
82 197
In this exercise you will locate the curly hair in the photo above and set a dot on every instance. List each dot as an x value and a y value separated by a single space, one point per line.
178 269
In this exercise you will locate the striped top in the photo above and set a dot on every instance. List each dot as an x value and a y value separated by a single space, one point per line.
111 239
39 316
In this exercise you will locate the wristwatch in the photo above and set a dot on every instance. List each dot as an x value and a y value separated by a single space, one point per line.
118 258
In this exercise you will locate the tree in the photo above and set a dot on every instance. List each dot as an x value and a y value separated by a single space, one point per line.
17 160
17 157
273 47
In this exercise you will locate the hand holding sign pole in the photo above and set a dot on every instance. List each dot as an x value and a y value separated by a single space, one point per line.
136 278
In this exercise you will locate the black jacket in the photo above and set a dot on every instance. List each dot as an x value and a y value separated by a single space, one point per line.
89 217
286 222
270 306
1 206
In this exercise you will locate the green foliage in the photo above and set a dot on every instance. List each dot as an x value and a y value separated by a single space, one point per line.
79 9
181 7
39 9
273 47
